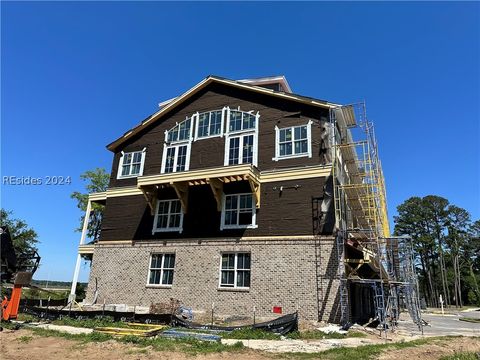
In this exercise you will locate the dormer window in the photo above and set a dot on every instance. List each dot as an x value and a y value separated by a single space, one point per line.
292 142
131 164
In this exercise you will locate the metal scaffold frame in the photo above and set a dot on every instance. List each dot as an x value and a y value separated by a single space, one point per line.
362 222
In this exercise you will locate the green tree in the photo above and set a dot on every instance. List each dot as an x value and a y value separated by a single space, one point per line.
24 238
446 245
97 181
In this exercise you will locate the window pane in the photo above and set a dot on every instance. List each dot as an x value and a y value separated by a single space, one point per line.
231 217
203 125
245 217
288 148
301 147
175 207
215 122
173 134
137 157
167 278
127 158
228 261
181 158
156 261
174 221
125 170
163 207
235 120
234 150
227 278
247 149
303 132
231 202
243 278
162 221
248 121
184 130
154 277
246 201
169 262
170 159
135 169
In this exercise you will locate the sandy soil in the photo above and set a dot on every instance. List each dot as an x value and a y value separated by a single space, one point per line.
23 344
434 350
52 348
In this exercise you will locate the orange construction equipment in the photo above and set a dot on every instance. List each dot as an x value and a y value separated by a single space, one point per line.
19 267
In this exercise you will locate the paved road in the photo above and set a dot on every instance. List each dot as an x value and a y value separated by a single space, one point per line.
448 324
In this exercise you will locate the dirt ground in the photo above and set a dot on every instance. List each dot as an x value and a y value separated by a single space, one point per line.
23 344
16 345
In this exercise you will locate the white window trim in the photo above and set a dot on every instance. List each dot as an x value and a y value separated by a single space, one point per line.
222 124
277 142
220 286
161 272
253 225
240 133
178 229
176 145
120 164
190 138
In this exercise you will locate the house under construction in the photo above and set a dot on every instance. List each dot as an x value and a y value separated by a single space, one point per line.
242 196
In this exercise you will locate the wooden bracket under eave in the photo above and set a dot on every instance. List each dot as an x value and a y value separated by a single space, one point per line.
217 188
181 188
255 186
150 194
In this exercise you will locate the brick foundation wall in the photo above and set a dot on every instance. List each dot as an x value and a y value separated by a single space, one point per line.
294 274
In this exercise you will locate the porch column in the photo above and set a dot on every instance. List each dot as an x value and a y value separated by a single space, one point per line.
79 257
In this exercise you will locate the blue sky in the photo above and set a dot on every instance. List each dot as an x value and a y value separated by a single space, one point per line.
75 76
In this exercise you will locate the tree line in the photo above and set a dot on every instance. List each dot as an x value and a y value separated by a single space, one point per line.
446 244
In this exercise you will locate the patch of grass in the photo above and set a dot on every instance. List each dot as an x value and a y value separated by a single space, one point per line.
365 352
85 338
25 339
27 317
105 321
470 355
191 346
472 320
244 334
316 334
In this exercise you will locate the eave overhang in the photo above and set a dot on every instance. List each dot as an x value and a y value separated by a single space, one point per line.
201 85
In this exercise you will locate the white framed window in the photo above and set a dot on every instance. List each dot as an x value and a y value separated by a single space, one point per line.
176 157
295 141
168 216
238 211
180 132
131 164
241 149
241 120
235 270
160 271
210 124
241 143
177 147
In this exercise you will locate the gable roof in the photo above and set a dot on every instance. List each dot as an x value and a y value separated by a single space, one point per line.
171 104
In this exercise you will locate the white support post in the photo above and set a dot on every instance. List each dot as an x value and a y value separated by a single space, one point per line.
79 257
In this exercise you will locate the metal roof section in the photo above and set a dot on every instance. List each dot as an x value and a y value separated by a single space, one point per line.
169 105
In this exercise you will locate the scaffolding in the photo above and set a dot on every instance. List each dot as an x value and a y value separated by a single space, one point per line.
367 254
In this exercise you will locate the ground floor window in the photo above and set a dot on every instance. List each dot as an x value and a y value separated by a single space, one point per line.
238 211
169 216
161 269
235 270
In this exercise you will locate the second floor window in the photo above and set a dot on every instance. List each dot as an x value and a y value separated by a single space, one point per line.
131 164
168 217
238 211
